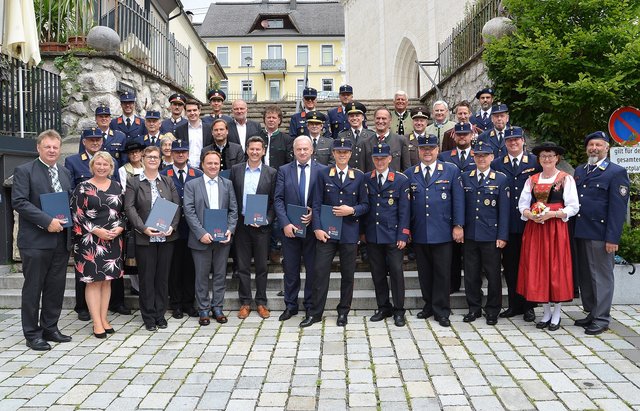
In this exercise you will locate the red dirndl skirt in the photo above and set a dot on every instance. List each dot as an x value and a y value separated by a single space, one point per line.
545 273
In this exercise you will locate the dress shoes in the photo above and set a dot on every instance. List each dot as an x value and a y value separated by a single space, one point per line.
583 322
286 314
471 317
178 313
101 336
529 316
543 324
492 319
274 256
244 311
399 320
310 320
56 336
120 310
342 320
84 316
263 312
109 330
192 312
424 314
151 327
509 312
38 344
443 321
219 316
162 323
554 327
380 315
595 329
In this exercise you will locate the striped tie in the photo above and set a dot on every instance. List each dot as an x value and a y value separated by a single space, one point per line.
55 181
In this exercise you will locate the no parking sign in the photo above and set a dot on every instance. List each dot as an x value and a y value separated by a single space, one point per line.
624 126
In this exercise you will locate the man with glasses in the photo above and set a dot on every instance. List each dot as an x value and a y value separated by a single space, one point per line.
298 123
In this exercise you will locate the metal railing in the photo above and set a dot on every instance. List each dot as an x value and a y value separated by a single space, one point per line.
466 38
243 95
273 65
40 106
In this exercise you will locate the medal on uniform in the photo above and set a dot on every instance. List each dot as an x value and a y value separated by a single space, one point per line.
391 201
487 202
493 203
444 196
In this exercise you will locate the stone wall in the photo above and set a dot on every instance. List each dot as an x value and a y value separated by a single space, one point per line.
90 79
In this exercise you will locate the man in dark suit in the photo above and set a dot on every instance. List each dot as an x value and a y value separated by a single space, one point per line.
240 129
295 185
230 153
182 274
252 240
195 132
129 123
43 242
386 229
343 188
176 105
209 255
482 118
321 144
397 144
360 137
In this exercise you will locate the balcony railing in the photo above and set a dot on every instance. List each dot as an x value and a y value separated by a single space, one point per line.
273 65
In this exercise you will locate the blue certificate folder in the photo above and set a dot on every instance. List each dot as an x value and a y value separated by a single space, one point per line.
331 224
161 214
57 206
255 211
215 223
295 213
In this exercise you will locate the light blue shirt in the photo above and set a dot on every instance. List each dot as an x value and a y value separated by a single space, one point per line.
251 179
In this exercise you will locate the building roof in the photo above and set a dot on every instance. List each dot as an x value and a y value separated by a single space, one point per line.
324 18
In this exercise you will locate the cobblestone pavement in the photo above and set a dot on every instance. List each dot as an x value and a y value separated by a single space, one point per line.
266 364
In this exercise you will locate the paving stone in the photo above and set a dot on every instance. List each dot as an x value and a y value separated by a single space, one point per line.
514 399
77 394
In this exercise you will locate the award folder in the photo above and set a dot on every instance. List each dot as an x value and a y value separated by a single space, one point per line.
295 213
255 211
331 224
161 214
215 222
57 206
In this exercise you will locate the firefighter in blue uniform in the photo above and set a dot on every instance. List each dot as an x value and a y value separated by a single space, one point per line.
216 99
386 230
437 219
518 165
78 164
298 123
495 136
113 142
486 231
338 116
176 106
129 123
482 117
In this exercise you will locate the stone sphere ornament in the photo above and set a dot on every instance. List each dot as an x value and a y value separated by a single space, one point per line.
497 28
103 38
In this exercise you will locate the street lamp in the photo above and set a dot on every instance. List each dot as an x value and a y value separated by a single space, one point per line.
248 60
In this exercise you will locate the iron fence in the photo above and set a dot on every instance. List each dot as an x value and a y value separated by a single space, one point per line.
42 95
466 38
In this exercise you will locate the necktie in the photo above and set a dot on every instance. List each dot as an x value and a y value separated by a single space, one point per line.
591 168
302 183
463 156
357 134
380 181
484 115
401 124
480 177
515 163
315 143
55 182
128 122
153 140
427 175
341 174
499 136
181 176
104 136
381 139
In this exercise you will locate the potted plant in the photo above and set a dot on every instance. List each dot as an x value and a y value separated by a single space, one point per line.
81 18
52 22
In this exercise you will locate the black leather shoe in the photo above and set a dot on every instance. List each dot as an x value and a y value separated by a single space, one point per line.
380 315
529 315
423 315
177 313
100 335
192 312
109 330
342 320
56 336
120 310
38 344
286 314
594 329
492 320
443 321
151 327
399 320
84 316
162 323
583 322
509 312
471 317
309 320
543 324
554 327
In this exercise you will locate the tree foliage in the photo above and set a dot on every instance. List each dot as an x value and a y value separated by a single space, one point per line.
567 67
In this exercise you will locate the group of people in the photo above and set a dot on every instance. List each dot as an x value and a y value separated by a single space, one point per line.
451 194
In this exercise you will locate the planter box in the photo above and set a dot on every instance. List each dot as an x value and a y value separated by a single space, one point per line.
627 287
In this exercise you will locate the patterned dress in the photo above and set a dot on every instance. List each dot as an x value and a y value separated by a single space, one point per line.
97 259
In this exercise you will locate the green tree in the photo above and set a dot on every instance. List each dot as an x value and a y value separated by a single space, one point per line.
567 67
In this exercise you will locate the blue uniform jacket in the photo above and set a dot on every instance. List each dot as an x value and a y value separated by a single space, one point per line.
453 157
516 179
329 190
338 121
438 207
387 221
136 129
486 206
114 144
191 174
298 126
168 126
477 120
490 137
603 195
78 166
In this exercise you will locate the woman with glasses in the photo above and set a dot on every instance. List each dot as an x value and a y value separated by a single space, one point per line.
547 201
153 248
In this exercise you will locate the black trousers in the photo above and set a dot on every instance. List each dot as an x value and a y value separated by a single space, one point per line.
252 242
292 250
44 274
116 300
324 257
182 277
434 273
154 263
386 259
482 256
510 264
456 267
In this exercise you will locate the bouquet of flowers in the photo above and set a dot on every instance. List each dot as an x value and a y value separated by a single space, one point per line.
539 208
